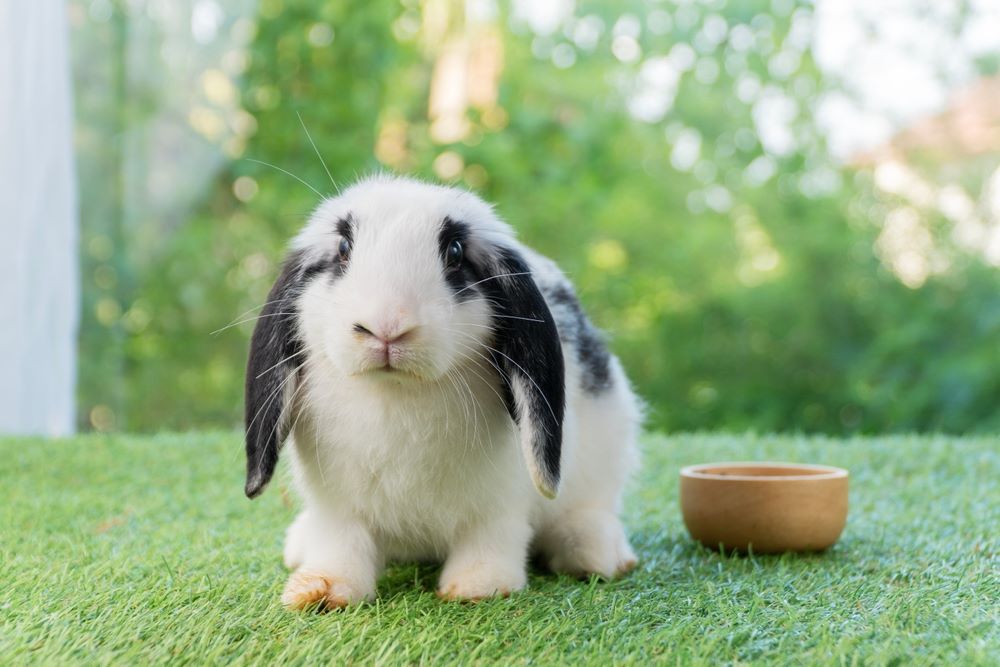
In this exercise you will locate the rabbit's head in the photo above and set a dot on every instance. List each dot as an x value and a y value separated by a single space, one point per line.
400 282
398 301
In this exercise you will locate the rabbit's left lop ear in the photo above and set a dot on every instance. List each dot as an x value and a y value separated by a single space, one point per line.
529 354
271 377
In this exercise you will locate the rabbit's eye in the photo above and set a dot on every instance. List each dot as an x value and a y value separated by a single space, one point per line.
455 253
344 249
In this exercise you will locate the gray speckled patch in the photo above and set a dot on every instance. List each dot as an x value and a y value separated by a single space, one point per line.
576 330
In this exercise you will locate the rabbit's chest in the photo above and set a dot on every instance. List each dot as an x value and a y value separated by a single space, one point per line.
416 470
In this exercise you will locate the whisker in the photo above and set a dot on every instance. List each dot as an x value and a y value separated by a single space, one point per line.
291 356
526 374
515 317
475 411
247 312
532 380
475 442
285 171
499 275
465 411
321 161
271 398
479 375
249 319
267 404
501 307
503 375
299 410
277 422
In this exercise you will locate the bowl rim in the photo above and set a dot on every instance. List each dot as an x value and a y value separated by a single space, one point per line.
821 472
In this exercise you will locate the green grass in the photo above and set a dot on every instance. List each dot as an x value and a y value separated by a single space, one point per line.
143 549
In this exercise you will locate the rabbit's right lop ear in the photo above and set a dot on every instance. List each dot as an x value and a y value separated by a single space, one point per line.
271 377
529 355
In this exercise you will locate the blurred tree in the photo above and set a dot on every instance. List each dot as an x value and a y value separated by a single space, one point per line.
667 156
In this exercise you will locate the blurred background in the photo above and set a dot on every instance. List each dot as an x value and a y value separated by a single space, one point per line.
786 214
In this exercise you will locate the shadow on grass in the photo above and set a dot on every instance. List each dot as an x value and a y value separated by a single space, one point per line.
400 579
667 562
673 558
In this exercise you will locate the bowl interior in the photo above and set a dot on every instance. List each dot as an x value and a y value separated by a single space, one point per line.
762 471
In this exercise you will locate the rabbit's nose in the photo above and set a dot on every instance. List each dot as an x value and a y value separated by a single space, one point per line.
386 335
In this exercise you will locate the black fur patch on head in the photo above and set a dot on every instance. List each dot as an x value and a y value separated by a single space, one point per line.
528 352
576 330
336 265
329 265
459 277
345 227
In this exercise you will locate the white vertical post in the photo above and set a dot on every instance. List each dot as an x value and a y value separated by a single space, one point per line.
39 281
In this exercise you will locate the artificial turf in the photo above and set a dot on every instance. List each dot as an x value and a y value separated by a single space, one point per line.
134 550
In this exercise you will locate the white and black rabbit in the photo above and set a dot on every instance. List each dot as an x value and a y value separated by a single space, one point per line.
427 369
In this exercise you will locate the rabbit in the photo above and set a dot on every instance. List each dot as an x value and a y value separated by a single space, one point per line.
430 374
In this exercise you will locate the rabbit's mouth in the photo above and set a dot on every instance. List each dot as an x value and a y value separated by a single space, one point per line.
392 370
389 371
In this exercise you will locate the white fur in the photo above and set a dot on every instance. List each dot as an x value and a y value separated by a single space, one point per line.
424 463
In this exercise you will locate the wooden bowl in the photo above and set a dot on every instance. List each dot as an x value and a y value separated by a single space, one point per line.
764 507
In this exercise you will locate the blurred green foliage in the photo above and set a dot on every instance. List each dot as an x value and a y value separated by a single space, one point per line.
736 301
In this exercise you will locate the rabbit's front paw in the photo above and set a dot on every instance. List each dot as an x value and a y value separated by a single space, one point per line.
479 582
308 588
